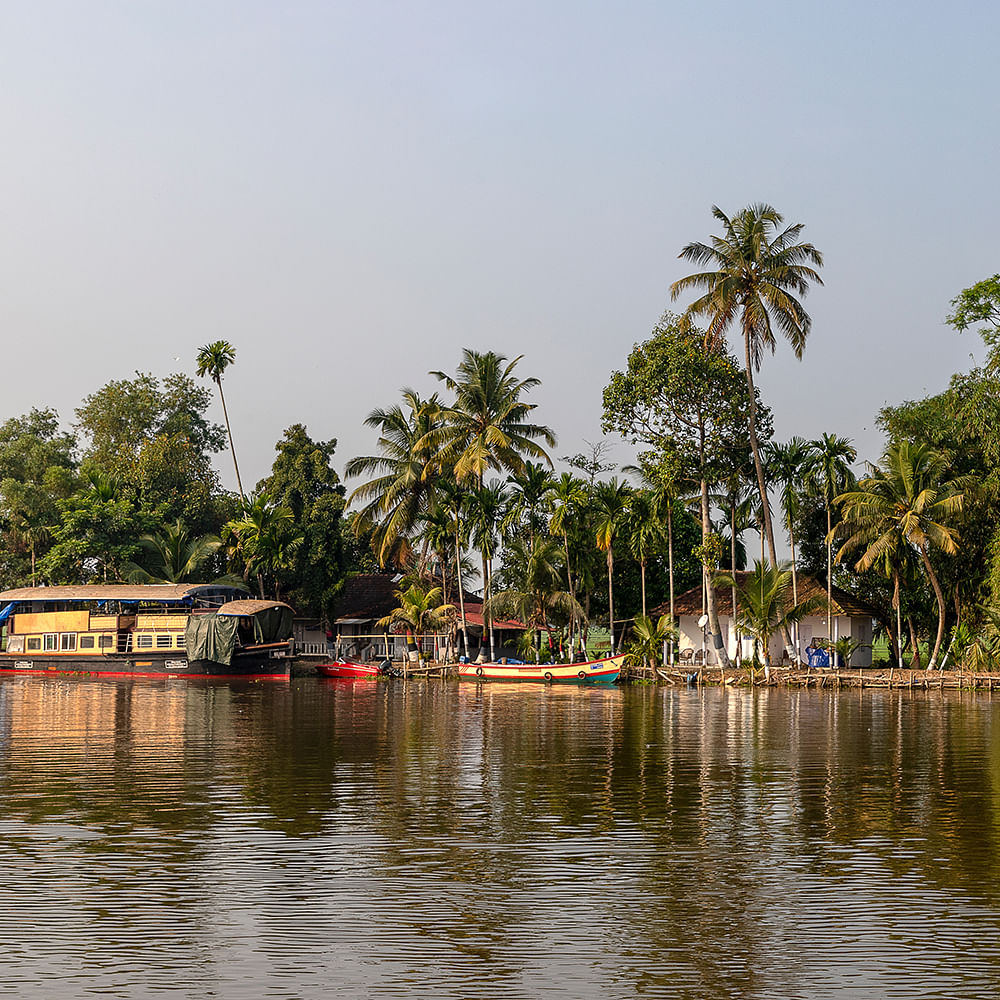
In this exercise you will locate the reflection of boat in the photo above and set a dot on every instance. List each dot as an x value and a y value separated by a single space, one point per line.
604 671
345 668
150 629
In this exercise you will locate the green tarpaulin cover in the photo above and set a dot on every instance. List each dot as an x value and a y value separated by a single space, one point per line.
211 637
272 624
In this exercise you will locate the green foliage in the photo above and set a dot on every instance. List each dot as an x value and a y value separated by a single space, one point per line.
173 556
978 304
304 481
420 610
264 540
645 651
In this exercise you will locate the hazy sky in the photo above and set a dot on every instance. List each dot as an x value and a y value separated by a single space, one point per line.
351 193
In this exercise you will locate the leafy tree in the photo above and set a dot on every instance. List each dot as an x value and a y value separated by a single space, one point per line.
420 610
758 273
213 360
304 481
689 406
265 540
37 469
979 303
97 535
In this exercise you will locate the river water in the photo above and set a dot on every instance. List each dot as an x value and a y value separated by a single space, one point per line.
435 839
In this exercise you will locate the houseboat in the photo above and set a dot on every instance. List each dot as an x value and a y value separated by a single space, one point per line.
193 630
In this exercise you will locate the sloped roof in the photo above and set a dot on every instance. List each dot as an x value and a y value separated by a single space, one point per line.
236 608
168 593
366 596
690 602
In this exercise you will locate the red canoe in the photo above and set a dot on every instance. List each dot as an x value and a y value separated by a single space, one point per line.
344 668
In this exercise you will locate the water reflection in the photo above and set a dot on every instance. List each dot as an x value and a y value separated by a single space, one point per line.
462 840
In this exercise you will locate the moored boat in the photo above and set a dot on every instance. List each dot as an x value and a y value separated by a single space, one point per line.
604 671
192 630
347 670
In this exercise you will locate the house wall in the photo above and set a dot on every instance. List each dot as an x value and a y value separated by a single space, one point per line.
858 628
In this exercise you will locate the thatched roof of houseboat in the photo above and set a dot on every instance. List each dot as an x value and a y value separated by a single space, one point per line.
153 593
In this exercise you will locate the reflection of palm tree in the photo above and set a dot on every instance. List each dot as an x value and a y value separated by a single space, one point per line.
906 499
611 503
402 487
213 360
758 274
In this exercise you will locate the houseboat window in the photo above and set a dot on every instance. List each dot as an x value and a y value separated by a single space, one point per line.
106 641
163 642
51 641
34 642
67 641
143 642
181 641
86 642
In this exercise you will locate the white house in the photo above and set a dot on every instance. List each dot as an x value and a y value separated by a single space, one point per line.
849 617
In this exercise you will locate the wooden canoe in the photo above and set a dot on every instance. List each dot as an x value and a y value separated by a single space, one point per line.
604 671
347 669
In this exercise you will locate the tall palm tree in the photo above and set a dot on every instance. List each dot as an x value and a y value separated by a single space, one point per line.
829 473
486 512
487 427
758 273
568 495
789 464
644 530
611 505
905 499
403 479
213 359
530 492
419 610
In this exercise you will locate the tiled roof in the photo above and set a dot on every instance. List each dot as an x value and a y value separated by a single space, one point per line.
690 602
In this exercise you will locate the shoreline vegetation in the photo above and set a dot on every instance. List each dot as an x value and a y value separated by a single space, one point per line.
461 506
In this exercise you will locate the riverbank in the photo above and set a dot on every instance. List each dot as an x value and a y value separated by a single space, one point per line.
870 677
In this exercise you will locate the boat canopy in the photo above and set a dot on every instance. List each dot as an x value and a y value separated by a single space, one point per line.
215 637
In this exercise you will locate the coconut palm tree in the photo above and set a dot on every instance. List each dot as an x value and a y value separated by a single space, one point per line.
758 272
568 495
644 531
767 606
528 505
213 359
175 557
486 508
789 464
828 473
487 427
648 636
905 499
611 504
420 610
403 473
532 592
